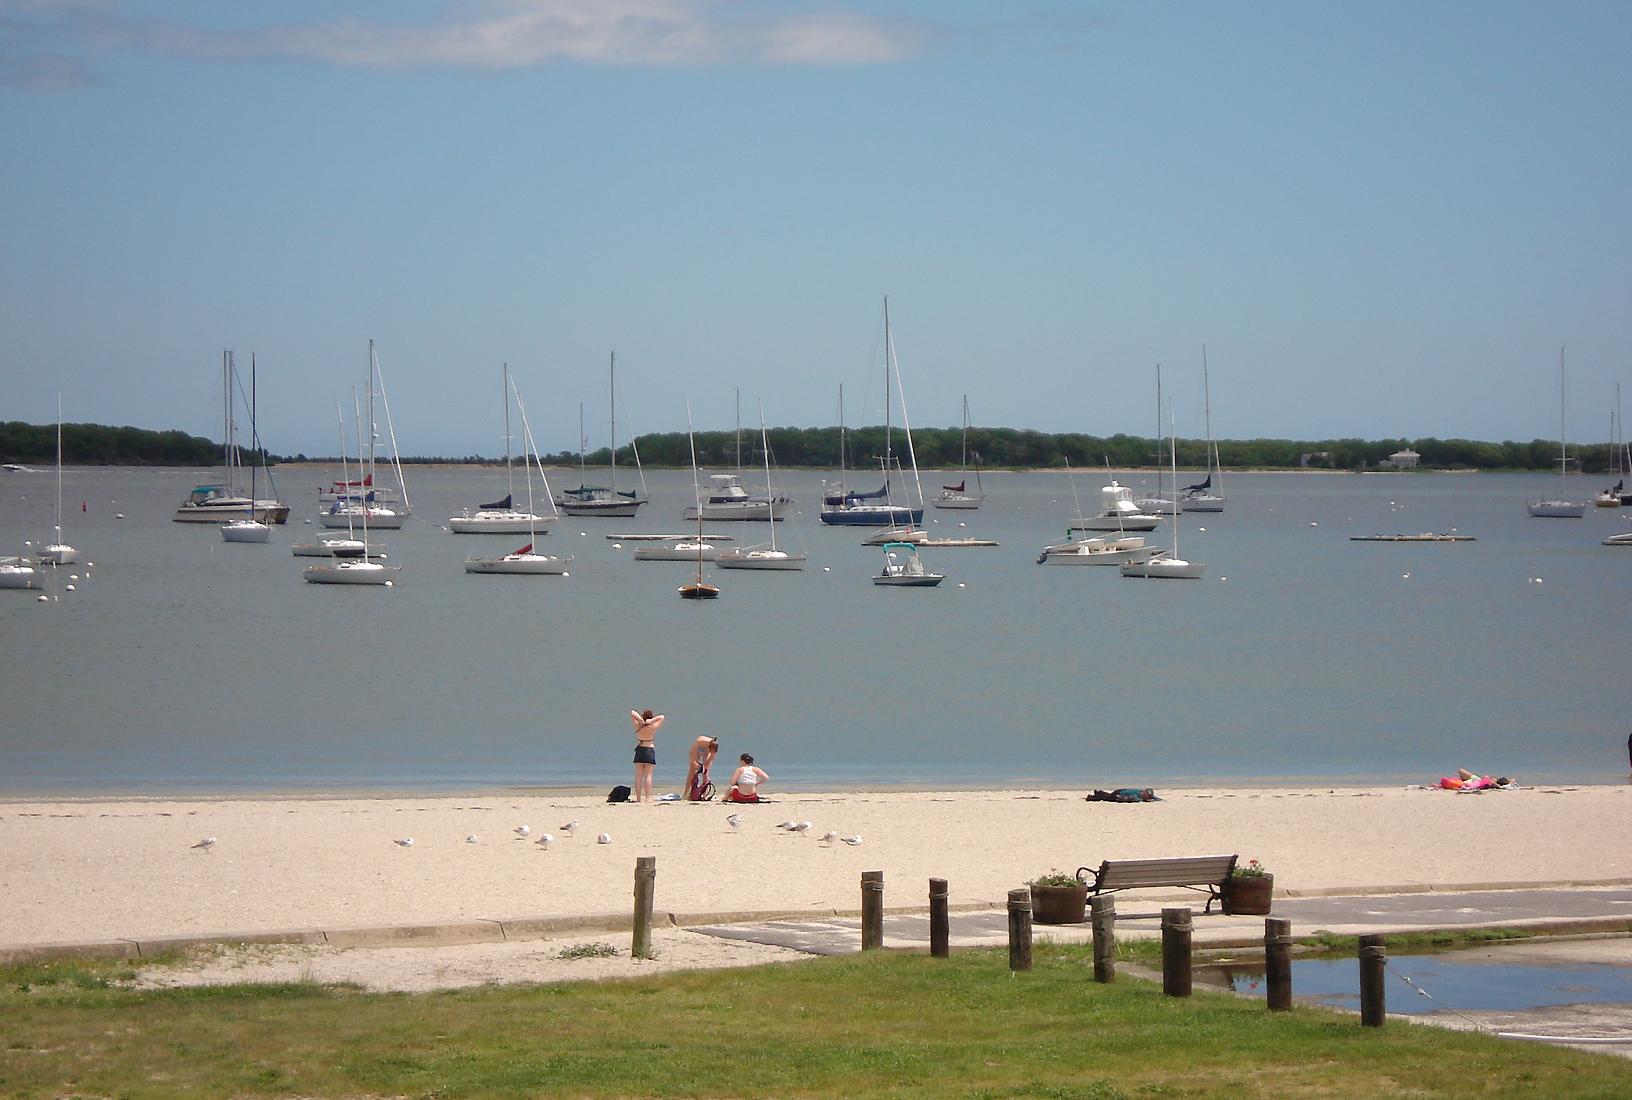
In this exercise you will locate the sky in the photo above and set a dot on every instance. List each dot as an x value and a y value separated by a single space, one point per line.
1382 220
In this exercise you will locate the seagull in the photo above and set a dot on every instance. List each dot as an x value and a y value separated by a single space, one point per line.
853 841
802 827
570 826
545 840
787 824
471 839
207 843
734 820
405 842
604 838
829 837
522 830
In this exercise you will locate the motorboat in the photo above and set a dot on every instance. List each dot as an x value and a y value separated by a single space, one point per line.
727 500
1117 513
903 568
1124 550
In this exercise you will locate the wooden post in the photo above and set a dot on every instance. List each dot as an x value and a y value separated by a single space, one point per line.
1104 924
1373 961
645 884
1176 930
1278 963
1020 929
872 910
940 924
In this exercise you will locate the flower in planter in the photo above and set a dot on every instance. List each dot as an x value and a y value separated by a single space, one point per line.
1055 877
1253 869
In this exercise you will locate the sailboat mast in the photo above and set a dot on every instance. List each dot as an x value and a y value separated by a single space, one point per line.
1212 447
1563 450
509 476
345 475
612 373
1159 438
1173 457
358 416
770 502
59 466
906 425
696 487
738 433
254 436
886 392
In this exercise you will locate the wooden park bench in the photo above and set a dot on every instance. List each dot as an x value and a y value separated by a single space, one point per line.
1191 872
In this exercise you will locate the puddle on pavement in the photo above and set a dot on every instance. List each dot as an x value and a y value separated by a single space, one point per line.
1465 984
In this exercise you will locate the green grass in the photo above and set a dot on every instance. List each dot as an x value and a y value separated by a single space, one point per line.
884 1024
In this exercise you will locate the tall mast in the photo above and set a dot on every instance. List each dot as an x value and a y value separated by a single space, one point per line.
582 443
739 430
1212 448
226 416
1159 438
509 476
906 424
59 466
886 392
254 437
1563 451
345 476
1173 457
612 373
770 502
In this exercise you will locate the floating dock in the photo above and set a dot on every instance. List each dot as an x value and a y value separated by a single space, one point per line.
689 536
1426 536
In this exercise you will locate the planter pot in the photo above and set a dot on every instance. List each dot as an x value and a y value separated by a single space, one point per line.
1248 896
1059 904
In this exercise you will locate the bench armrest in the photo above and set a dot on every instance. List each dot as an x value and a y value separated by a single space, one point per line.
1089 877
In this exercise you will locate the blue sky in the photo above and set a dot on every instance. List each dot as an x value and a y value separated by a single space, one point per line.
1382 220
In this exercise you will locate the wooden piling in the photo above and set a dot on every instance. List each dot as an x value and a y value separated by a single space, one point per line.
940 922
1278 963
1176 933
1103 920
1373 967
645 886
872 910
1020 928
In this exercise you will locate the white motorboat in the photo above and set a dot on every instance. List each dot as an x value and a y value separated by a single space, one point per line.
523 562
681 550
1129 549
903 568
1117 513
602 500
17 573
221 503
1167 565
767 555
59 552
727 500
352 571
1559 508
958 496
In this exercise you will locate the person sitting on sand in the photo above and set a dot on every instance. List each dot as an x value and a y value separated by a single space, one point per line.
1124 794
745 781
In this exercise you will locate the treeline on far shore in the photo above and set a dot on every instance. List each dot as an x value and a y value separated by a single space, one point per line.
96 444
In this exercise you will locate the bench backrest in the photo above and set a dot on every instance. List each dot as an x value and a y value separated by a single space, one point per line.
1124 874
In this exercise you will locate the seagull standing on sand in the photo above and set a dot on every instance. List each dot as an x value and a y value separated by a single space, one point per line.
829 837
545 840
471 839
207 843
802 827
786 824
570 826
405 842
604 838
522 831
733 820
853 841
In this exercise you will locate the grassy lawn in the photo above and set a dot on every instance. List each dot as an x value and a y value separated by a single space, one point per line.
884 1024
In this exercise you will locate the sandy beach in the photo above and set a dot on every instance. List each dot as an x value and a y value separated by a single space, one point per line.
97 870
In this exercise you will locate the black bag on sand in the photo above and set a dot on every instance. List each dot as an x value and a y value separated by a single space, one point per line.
620 793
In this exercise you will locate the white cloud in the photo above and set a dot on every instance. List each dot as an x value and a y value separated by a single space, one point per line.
519 34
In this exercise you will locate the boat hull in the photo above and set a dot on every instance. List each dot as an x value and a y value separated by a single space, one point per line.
964 502
1202 504
18 576
1166 569
919 580
780 563
1137 522
340 548
675 553
351 572
377 520
245 532
59 554
888 516
1137 555
511 523
754 512
699 592
1557 509
518 565
266 511
607 510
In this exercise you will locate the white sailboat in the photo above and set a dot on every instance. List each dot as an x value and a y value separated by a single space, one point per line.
1168 566
959 496
698 589
1559 508
524 562
1158 505
214 503
371 506
602 500
59 552
15 572
1616 495
765 556
1118 549
846 507
1207 496
247 528
502 517
363 569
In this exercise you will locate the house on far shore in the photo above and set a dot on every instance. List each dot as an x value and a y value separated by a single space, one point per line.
1315 458
1402 460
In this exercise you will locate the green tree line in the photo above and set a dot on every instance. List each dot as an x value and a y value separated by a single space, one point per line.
97 444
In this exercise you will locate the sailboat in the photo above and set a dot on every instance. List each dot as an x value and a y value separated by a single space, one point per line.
59 552
1205 497
958 496
15 572
1118 549
524 561
362 569
1616 495
599 500
1157 505
848 508
727 499
765 555
248 528
346 512
1559 509
501 516
213 503
1168 566
698 589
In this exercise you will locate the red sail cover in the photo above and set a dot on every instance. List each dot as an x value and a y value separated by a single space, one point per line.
528 549
958 488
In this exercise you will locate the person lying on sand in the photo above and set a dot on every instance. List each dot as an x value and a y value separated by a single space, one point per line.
1464 780
1124 794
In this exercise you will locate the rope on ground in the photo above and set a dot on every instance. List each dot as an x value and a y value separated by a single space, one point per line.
1603 1040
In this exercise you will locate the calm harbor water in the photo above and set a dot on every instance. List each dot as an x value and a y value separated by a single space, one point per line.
182 663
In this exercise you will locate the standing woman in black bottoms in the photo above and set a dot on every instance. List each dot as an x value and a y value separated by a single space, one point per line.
646 726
